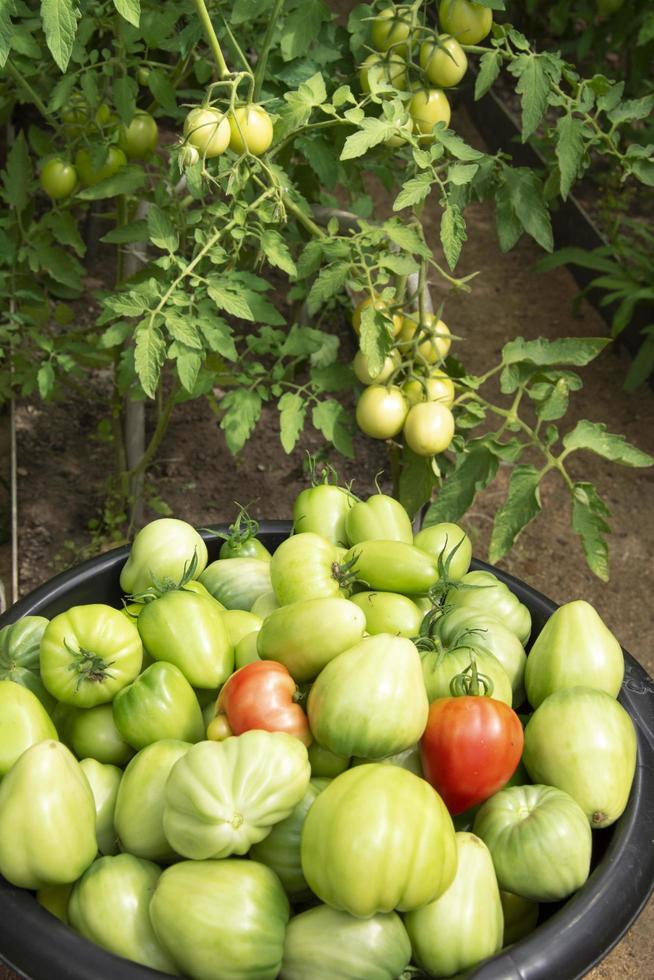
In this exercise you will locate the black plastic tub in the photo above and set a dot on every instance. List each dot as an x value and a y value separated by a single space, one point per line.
572 937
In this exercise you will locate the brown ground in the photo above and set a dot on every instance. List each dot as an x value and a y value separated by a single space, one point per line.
61 465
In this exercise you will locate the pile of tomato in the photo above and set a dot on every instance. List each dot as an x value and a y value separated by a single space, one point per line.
310 763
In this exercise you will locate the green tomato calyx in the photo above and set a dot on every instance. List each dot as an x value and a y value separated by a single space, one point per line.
88 665
241 531
444 583
470 682
159 586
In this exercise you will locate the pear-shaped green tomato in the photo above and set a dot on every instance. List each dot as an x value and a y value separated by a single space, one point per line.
88 653
237 582
162 551
380 517
465 924
389 612
575 648
110 905
370 701
19 656
409 759
326 763
47 818
55 898
240 623
245 651
306 566
483 592
138 815
23 722
104 781
264 604
280 850
323 510
304 636
326 944
439 669
222 797
187 630
392 566
159 704
539 839
92 733
378 838
447 542
221 919
584 742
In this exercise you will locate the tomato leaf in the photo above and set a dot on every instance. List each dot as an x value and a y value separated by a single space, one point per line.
161 230
330 418
292 412
149 356
528 203
521 506
135 231
242 412
453 233
533 88
577 351
330 281
60 26
569 150
245 10
455 144
302 28
217 333
474 471
593 436
228 298
127 180
129 10
163 90
276 251
416 481
17 176
375 338
413 192
61 266
489 69
371 132
45 379
6 29
588 513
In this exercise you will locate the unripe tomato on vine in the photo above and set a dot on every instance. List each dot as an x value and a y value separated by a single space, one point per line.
207 129
438 387
427 107
139 139
383 70
381 411
58 178
362 370
437 337
428 428
395 320
469 22
90 173
444 61
389 30
251 130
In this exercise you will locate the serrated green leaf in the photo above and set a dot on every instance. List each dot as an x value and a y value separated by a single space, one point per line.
528 203
217 335
588 513
330 281
401 265
474 471
406 237
6 29
569 150
453 233
413 192
416 481
533 89
45 379
507 223
115 335
161 230
330 418
181 328
455 145
310 259
375 338
136 231
334 377
489 69
149 356
17 176
276 251
63 226
371 133
631 110
125 92
60 26
230 299
246 10
127 180
163 90
521 506
242 410
188 366
320 155
459 174
129 10
576 351
593 436
61 266
292 411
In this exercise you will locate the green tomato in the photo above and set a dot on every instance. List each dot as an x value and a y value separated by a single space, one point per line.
222 797
264 604
23 722
89 653
306 635
139 140
326 763
326 944
20 644
245 651
370 701
540 841
408 759
280 850
583 741
469 22
380 517
237 582
436 387
240 623
55 898
58 178
250 548
220 919
465 924
447 541
520 917
305 566
187 630
138 815
110 904
251 130
383 75
159 704
207 130
91 173
162 551
428 428
323 510
443 61
466 627
428 107
392 566
104 781
378 838
92 732
381 411
47 818
360 364
484 592
389 612
389 30
439 668
574 648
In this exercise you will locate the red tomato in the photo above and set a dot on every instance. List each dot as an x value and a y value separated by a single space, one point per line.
260 695
470 748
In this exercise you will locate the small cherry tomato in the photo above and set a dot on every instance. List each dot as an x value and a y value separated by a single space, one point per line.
58 178
429 428
251 130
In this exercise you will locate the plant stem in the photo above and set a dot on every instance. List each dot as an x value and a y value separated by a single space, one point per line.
36 99
260 70
304 220
214 44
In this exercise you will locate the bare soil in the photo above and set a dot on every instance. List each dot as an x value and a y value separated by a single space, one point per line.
62 466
